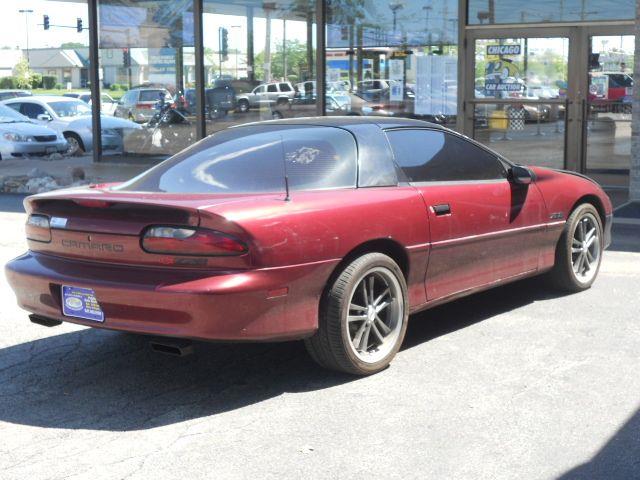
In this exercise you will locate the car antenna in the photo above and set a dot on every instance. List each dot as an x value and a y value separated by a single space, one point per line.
287 197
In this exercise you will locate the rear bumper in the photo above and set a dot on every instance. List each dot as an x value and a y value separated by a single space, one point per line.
204 305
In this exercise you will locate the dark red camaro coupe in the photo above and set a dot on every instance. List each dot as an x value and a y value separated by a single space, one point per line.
331 230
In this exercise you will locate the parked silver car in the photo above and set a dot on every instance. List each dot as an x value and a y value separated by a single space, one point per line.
107 103
138 104
266 95
72 118
20 137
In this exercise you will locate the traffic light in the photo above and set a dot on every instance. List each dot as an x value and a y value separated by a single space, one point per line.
126 57
45 22
79 25
224 43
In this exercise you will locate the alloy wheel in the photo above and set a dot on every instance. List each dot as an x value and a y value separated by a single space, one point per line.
375 316
74 145
585 248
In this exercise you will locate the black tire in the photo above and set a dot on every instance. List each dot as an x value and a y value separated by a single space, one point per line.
243 106
563 275
331 345
74 141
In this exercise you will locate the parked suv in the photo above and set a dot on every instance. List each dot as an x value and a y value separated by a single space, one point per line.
139 104
220 100
267 94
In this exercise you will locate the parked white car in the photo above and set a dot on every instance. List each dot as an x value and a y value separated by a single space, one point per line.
20 137
107 103
72 118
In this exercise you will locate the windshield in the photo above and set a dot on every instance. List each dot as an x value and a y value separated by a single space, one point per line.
9 115
256 160
70 108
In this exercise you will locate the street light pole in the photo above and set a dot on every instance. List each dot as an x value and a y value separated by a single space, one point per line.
237 47
26 24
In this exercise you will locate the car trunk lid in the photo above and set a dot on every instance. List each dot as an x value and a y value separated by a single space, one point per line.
106 226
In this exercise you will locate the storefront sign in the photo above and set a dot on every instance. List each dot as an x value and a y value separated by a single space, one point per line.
503 50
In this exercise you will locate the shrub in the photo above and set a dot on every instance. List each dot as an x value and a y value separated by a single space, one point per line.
114 87
36 80
48 82
58 86
7 83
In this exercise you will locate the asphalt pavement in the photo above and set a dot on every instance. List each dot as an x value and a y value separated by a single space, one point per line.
517 382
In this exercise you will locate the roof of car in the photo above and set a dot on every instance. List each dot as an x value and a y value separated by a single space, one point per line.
346 121
42 98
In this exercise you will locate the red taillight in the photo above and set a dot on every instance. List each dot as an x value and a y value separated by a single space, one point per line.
38 228
92 203
190 241
144 105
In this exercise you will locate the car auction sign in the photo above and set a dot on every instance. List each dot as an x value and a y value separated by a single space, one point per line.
503 50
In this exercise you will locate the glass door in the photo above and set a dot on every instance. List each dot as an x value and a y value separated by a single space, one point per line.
607 130
518 101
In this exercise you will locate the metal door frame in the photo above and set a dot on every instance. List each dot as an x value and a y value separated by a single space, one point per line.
586 32
578 35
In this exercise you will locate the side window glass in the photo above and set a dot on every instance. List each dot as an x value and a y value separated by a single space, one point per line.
32 110
431 156
284 87
272 88
16 106
471 162
418 152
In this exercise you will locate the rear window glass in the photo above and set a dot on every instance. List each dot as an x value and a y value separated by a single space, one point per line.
256 160
151 95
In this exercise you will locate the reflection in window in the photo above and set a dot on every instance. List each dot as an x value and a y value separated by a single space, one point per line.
393 58
147 63
542 11
255 55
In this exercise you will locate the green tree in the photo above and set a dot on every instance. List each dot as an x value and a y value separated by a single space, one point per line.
22 74
297 62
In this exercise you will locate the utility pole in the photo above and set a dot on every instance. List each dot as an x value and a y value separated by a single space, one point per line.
268 7
284 49
26 13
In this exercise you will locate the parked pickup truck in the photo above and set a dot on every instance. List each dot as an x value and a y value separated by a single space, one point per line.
267 94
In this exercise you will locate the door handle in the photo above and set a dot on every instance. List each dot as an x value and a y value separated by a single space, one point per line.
441 209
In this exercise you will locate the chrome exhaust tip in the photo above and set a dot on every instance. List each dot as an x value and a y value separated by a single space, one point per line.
172 346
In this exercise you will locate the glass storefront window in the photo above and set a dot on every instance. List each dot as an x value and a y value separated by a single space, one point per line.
520 92
146 67
392 58
483 12
259 62
609 106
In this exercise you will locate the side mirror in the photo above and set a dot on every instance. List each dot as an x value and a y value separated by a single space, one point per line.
44 117
520 175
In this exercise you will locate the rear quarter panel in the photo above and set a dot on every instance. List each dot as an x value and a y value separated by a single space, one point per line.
324 226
